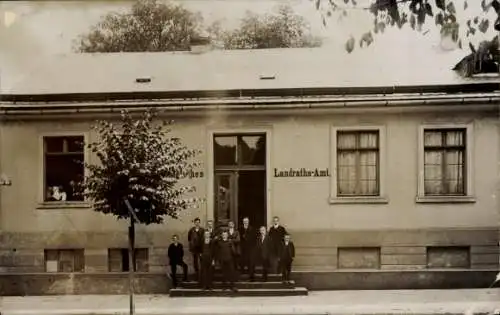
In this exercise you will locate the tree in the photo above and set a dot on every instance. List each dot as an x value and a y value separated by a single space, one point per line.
282 30
444 14
149 26
140 162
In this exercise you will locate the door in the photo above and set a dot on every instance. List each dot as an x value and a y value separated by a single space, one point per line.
225 198
240 178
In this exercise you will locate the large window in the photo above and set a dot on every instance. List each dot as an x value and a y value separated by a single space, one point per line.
63 167
444 162
358 163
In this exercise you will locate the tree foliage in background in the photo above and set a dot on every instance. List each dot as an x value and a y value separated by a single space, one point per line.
149 26
153 25
141 162
390 13
286 29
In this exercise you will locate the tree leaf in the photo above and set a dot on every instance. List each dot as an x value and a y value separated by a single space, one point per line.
421 16
483 26
440 4
451 8
349 45
439 19
496 5
413 21
476 20
466 5
460 44
428 9
318 3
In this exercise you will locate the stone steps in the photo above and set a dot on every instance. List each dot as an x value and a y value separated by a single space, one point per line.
242 285
184 292
240 277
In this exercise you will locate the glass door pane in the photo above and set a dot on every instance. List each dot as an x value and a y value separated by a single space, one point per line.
225 197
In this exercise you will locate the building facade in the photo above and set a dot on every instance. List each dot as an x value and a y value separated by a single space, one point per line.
380 187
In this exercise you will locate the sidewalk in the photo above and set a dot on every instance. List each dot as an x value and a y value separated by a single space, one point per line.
424 302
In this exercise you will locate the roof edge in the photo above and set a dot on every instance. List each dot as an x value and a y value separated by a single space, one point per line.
483 87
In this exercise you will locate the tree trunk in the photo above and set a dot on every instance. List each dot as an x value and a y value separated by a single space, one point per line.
131 267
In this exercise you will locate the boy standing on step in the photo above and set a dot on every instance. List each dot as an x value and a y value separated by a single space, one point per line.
286 258
176 257
207 261
225 255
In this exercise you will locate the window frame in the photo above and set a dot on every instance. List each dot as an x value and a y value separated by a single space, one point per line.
42 204
58 252
468 196
381 198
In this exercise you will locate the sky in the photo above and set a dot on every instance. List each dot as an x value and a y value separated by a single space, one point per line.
31 30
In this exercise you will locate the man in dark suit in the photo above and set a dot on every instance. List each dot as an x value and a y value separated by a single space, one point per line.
225 255
276 234
176 257
195 239
286 258
262 254
248 236
207 261
234 237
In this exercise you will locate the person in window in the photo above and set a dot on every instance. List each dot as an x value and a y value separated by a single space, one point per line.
225 257
276 234
207 261
248 237
50 194
262 254
286 258
195 239
234 237
58 193
176 257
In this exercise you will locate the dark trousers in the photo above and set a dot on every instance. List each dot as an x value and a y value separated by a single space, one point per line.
286 269
265 263
196 263
275 264
206 274
173 269
245 261
227 267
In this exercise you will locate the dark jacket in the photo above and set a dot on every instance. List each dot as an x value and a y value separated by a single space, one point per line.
287 253
263 248
195 239
224 250
175 253
277 235
235 238
207 251
248 237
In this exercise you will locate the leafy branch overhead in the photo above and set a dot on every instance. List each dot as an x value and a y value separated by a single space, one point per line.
415 13
141 162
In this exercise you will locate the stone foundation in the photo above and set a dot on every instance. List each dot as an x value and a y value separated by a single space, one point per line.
157 283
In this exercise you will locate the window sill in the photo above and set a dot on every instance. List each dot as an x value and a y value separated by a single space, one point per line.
445 199
63 205
359 200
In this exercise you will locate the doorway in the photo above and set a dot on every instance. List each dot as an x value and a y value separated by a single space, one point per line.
240 178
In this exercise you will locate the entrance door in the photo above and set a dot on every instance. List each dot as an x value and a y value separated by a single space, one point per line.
225 197
240 178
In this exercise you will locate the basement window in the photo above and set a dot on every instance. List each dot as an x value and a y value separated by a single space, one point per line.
118 260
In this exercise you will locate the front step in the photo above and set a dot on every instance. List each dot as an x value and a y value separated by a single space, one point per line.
182 292
242 277
242 285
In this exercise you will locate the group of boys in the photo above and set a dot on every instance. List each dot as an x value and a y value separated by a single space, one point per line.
234 250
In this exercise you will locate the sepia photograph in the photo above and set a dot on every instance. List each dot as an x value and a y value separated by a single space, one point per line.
250 157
